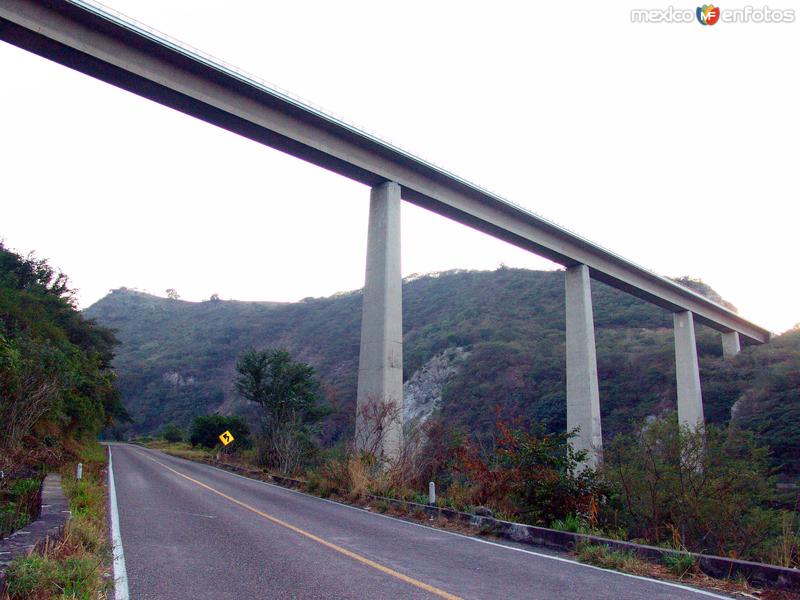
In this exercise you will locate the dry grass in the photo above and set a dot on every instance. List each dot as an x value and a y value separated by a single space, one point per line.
77 565
360 480
180 449
72 567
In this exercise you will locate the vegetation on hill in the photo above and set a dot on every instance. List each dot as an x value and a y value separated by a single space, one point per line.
177 359
56 394
55 365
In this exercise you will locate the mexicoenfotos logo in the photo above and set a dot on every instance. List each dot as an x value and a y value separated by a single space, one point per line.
708 14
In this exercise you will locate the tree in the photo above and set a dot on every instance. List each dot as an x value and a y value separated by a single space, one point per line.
288 394
172 294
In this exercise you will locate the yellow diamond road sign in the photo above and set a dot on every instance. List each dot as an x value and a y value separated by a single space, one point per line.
226 438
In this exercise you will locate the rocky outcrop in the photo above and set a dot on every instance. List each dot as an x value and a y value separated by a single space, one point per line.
422 393
177 379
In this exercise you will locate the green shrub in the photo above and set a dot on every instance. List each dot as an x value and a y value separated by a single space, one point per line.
18 504
572 524
172 433
603 556
707 491
318 485
36 576
11 519
206 430
680 564
23 488
419 498
86 497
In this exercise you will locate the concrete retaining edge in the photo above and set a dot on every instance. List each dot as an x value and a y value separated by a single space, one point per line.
53 516
758 574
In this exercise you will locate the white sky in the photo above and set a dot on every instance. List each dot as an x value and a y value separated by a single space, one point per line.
675 145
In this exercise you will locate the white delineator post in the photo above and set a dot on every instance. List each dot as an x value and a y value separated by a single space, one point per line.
431 493
380 366
583 393
731 346
687 371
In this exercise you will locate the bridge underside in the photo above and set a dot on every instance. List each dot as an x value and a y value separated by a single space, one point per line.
125 55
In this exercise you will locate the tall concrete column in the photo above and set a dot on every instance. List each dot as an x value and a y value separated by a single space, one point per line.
583 394
731 346
380 367
687 370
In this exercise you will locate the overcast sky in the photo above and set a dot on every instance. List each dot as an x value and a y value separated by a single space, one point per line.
675 145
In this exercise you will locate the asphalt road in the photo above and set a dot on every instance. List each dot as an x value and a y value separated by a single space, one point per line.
190 531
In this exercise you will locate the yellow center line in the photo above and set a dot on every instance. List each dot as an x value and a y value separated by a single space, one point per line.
363 560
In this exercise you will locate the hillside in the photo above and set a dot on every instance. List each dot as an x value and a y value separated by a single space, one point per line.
473 341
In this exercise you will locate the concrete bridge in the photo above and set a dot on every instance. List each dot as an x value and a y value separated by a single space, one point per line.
129 55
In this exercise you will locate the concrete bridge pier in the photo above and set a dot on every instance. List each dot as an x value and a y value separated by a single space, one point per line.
687 370
731 346
380 367
583 394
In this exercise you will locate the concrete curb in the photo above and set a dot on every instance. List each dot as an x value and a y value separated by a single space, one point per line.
53 516
759 574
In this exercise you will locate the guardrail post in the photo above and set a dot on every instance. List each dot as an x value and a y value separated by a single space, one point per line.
583 393
380 364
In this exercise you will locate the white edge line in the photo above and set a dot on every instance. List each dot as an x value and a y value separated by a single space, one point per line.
460 535
120 573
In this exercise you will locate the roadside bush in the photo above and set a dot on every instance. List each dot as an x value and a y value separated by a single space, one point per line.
605 557
707 491
344 473
530 476
206 430
786 550
37 576
18 504
680 564
172 433
572 524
